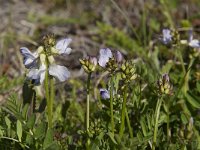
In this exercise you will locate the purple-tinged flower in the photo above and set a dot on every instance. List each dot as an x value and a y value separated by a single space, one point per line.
62 46
167 37
29 58
165 77
105 55
37 75
105 94
93 60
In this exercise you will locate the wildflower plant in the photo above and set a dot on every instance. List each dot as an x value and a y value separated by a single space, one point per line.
110 63
43 68
89 65
133 108
164 88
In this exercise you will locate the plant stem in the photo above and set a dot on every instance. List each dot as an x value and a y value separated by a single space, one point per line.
129 125
123 113
46 82
111 104
168 130
157 114
51 100
88 110
88 103
182 61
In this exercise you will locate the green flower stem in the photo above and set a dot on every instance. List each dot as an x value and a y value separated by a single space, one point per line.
121 132
88 110
157 114
129 125
46 83
111 105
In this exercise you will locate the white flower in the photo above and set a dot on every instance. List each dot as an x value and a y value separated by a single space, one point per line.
167 37
105 55
30 59
38 75
62 46
193 42
59 72
105 94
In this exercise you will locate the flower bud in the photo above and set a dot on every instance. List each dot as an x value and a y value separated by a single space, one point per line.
51 59
40 49
118 56
49 40
190 125
54 50
43 58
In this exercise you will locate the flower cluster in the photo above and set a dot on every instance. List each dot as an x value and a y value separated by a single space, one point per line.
42 60
172 36
108 61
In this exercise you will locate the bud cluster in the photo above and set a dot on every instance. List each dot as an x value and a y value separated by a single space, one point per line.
89 64
95 127
114 62
49 42
164 86
128 71
111 65
175 37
